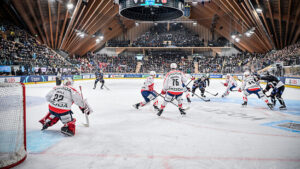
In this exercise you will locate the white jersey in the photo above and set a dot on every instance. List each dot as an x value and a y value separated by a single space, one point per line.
231 81
148 84
250 83
174 81
61 99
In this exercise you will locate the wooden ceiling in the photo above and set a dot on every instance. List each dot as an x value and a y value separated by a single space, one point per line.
56 26
276 27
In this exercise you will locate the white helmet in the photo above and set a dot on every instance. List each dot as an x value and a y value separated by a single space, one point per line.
152 73
228 75
207 75
173 65
247 73
68 82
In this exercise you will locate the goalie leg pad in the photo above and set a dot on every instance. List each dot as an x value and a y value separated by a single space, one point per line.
49 120
69 128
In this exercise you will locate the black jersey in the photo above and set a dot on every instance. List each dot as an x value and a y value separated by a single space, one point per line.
272 82
199 83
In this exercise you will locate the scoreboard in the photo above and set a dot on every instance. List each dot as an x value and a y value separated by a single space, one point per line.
151 10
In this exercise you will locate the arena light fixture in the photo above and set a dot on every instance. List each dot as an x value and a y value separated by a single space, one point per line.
259 10
101 37
233 36
70 6
98 40
81 35
237 39
194 23
248 34
137 24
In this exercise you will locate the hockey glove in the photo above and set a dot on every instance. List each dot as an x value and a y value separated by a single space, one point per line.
240 90
225 84
163 92
85 110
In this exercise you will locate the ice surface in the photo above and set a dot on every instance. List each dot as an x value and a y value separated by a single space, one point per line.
216 134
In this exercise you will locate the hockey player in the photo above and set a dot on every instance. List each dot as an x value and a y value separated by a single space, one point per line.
207 77
251 86
148 92
201 84
187 89
278 89
58 78
230 83
99 78
60 100
173 88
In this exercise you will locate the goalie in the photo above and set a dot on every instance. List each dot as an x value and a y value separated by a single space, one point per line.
60 100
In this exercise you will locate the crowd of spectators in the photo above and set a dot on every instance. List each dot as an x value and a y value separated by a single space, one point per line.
17 47
115 64
160 36
160 61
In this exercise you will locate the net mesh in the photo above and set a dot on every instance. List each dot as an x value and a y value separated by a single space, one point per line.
12 144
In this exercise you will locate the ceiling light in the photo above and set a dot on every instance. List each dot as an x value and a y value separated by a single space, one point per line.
70 6
237 39
81 35
101 37
137 24
97 40
233 36
259 10
194 23
248 34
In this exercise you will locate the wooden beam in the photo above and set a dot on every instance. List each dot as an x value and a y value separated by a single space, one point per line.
280 24
43 21
292 32
288 23
266 24
106 14
51 32
62 29
35 20
71 23
296 36
19 6
260 33
90 8
273 25
57 23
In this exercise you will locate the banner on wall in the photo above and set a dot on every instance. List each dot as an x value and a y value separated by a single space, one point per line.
51 78
10 79
86 76
6 69
292 81
26 79
75 77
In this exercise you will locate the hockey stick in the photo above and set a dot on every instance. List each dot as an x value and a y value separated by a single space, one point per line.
87 124
212 93
106 87
206 100
173 102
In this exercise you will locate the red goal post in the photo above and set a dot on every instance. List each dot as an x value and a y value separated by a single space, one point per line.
12 124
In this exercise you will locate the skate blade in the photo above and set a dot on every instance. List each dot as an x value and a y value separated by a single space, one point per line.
66 133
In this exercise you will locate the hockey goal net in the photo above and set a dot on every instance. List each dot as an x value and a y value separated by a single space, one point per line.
12 124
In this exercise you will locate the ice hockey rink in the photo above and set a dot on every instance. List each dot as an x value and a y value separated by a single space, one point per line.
216 134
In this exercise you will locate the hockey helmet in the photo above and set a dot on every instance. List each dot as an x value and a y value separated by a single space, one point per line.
228 75
173 65
68 82
246 73
152 73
